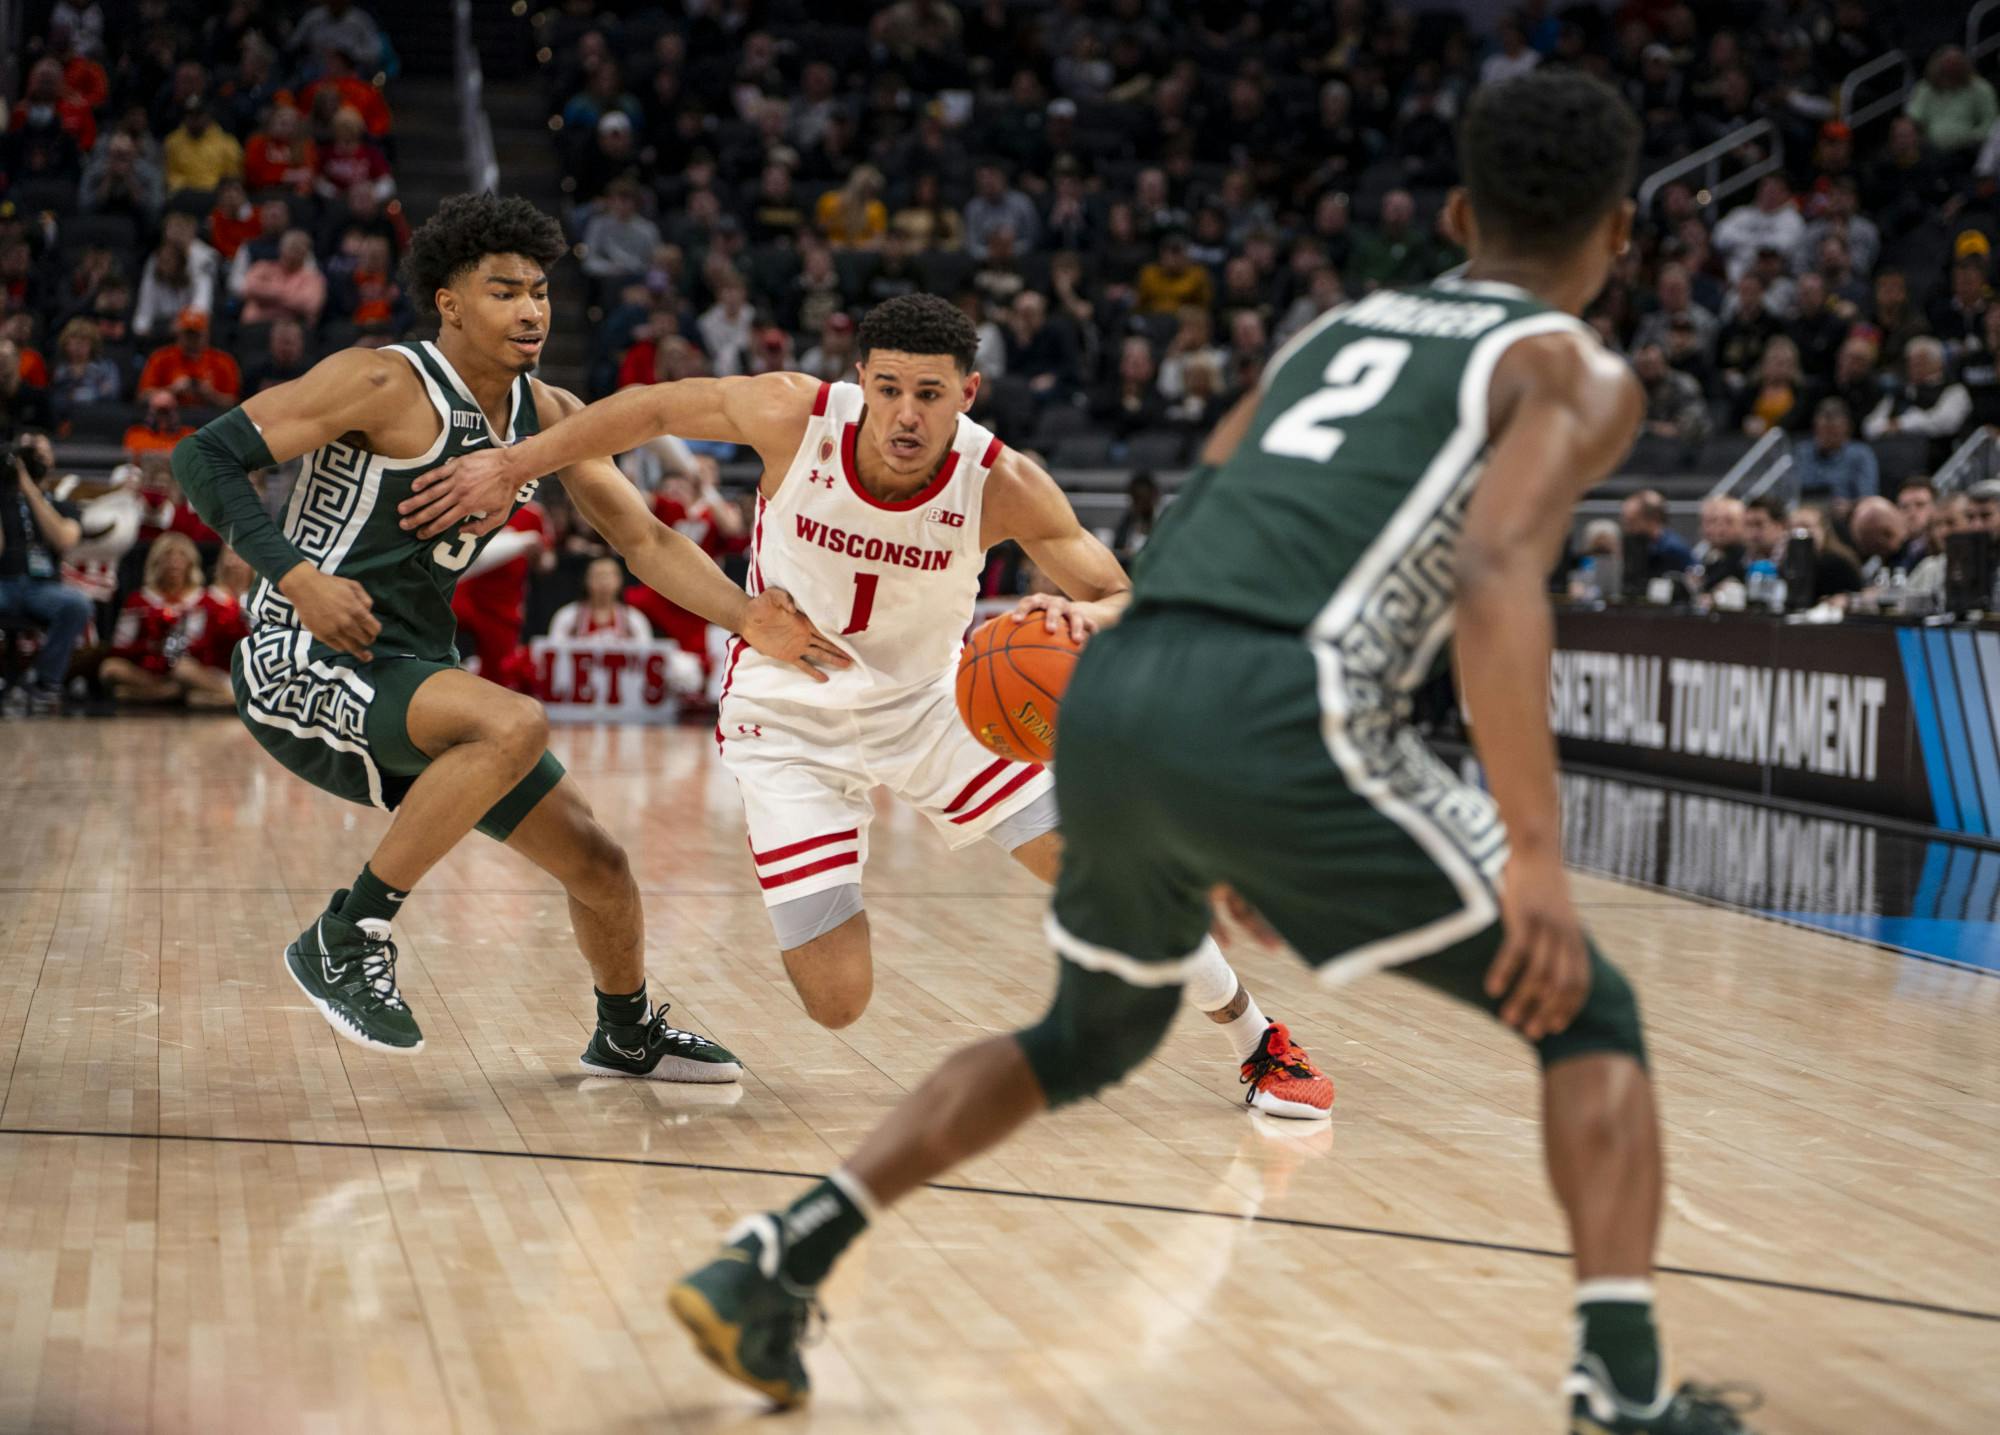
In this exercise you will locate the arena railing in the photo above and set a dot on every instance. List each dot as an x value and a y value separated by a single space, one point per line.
1882 104
1708 162
1974 461
1976 48
1768 460
482 168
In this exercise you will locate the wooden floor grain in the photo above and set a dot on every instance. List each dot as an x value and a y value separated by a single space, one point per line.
217 1217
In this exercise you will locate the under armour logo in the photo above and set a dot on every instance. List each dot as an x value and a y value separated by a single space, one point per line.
749 730
817 477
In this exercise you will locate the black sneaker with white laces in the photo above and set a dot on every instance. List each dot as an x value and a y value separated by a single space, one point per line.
658 1052
348 971
1597 1409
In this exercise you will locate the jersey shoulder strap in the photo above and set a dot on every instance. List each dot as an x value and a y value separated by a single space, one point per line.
438 390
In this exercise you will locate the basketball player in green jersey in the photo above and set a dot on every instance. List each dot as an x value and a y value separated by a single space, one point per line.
1411 460
350 676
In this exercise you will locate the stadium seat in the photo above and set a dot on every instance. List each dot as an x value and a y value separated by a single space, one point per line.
1163 448
1084 450
110 231
945 272
1058 422
1901 456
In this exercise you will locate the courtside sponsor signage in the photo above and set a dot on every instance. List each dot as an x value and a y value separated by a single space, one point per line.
1813 713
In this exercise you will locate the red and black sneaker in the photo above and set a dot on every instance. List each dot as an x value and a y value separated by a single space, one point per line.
1283 1081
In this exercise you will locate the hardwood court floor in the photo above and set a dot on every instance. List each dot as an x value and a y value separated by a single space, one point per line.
217 1217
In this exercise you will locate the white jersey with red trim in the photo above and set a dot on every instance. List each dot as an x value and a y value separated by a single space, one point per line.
893 583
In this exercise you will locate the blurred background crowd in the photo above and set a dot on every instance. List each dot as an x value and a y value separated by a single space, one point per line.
1135 201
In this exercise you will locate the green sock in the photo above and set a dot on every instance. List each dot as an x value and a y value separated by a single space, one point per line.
627 1010
1616 1321
818 1227
370 898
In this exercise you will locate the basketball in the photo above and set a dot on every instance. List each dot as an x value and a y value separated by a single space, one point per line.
1011 678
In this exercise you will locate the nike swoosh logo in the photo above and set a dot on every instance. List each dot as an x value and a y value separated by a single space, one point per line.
639 1055
326 972
472 443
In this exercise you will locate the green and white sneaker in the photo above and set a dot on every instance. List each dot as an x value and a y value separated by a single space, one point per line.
1597 1409
746 1317
653 1049
348 970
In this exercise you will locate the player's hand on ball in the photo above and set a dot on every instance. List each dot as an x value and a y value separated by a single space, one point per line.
1058 613
474 492
1543 966
337 611
774 626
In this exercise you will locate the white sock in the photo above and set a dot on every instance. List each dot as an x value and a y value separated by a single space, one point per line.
1246 1032
1212 984
851 1187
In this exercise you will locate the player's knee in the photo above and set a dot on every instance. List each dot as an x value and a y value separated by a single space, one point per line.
520 726
837 1005
1607 1022
825 945
1095 1032
603 873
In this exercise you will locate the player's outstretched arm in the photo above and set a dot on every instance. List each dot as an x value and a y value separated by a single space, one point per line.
767 412
1568 411
1023 503
336 396
673 565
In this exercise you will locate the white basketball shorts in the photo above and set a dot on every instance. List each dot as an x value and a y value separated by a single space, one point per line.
806 774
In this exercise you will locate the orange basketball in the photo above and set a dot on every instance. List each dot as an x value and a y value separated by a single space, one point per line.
1011 678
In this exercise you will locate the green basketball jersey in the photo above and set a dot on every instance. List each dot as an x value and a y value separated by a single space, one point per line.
1338 515
343 517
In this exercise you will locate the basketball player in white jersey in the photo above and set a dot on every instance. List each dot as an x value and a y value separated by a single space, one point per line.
878 504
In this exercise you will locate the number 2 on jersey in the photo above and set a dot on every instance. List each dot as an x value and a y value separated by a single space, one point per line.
1357 379
864 602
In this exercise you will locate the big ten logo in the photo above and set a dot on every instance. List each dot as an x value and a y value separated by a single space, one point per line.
1031 721
584 675
946 517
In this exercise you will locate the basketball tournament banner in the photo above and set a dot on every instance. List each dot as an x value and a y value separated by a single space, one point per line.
1894 720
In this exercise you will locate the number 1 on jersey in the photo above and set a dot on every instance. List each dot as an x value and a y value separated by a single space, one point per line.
864 602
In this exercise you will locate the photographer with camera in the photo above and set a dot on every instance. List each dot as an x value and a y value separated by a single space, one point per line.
35 532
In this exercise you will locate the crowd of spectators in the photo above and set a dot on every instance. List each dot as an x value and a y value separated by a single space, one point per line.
1137 203
1891 546
195 203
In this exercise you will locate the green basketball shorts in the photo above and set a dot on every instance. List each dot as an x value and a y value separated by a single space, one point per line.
343 725
1197 750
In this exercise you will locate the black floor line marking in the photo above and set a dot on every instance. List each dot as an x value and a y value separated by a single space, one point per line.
1289 1222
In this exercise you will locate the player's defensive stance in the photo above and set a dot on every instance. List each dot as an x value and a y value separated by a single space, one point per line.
350 676
878 504
1411 463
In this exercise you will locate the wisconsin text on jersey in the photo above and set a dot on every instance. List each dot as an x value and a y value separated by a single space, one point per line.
876 550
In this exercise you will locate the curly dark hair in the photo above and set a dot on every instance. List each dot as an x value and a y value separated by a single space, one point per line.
467 228
1545 156
919 324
